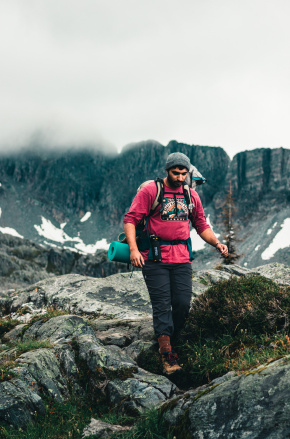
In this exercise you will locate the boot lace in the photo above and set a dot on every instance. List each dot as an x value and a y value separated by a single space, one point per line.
171 359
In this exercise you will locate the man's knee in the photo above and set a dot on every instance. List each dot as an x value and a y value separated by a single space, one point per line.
181 302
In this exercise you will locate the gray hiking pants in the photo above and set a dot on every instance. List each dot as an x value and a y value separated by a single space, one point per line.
170 291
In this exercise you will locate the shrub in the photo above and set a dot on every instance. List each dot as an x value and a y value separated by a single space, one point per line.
231 327
254 303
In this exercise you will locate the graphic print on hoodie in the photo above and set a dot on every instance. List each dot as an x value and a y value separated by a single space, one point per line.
174 208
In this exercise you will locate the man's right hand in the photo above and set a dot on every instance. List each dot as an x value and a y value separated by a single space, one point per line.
136 259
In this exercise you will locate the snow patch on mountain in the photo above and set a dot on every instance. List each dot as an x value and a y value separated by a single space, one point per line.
86 217
281 240
51 232
10 231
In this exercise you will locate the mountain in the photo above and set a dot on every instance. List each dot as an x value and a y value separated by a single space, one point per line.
76 199
23 262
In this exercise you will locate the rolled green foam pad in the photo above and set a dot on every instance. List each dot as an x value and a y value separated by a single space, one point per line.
119 252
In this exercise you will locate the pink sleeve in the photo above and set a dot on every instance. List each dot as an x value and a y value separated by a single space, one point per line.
141 204
199 220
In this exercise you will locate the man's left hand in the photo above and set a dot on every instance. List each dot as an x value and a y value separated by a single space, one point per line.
222 249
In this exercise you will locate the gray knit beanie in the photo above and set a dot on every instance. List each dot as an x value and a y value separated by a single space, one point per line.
177 159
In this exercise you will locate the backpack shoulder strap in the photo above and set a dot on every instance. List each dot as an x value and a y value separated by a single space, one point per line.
188 199
159 195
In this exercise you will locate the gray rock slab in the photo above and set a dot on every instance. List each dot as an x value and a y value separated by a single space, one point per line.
26 377
123 332
136 395
102 430
237 270
159 382
118 296
279 273
43 365
105 324
251 405
13 335
19 403
66 357
135 348
117 336
58 329
211 276
107 358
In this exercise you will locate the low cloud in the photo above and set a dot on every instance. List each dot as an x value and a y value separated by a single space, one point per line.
95 72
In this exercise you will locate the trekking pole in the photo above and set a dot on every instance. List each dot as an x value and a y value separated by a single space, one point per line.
132 271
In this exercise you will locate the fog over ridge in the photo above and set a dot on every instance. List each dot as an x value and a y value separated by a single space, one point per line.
91 72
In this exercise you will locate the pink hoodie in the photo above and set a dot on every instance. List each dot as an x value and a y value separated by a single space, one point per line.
168 225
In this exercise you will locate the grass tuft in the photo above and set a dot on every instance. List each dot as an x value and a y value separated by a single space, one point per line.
68 420
150 425
8 356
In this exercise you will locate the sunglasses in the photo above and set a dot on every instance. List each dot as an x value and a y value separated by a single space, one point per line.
179 173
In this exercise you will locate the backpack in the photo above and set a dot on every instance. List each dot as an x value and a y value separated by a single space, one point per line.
193 179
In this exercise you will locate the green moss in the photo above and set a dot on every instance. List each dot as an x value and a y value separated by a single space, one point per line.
170 405
203 282
205 392
182 429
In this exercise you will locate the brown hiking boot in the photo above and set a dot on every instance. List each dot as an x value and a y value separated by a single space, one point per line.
170 365
164 344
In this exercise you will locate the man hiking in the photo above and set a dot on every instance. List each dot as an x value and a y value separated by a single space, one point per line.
168 276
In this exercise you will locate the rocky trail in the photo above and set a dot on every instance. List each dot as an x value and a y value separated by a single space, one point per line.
77 337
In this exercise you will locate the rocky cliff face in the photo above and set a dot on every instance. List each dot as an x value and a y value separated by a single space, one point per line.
260 181
44 196
62 187
261 188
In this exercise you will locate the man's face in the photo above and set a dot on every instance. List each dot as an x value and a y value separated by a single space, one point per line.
176 176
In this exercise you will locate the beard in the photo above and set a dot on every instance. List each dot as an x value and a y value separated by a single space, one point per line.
172 182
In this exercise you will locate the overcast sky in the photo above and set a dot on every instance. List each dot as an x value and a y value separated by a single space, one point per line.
202 72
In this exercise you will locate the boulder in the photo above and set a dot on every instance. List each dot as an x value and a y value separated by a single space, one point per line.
27 378
277 272
210 277
58 329
19 403
115 336
141 392
204 279
118 296
253 405
14 335
102 430
123 332
44 367
135 348
109 359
